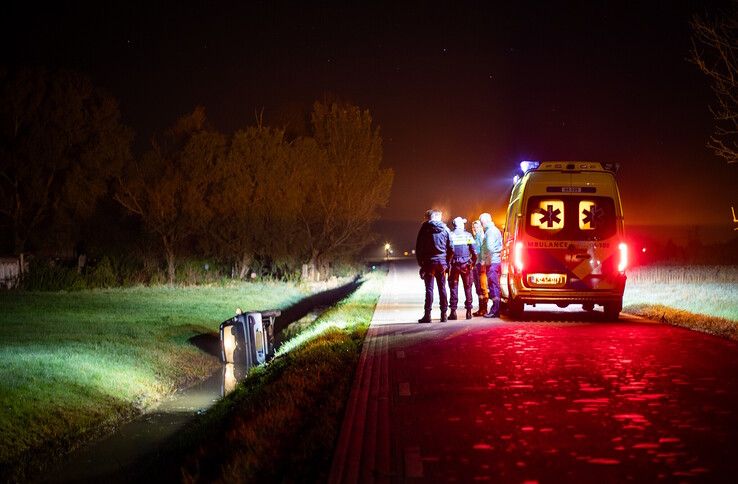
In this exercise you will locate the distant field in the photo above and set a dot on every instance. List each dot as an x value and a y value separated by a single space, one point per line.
75 361
700 297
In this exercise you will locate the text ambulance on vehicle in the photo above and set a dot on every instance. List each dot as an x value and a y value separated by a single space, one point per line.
563 241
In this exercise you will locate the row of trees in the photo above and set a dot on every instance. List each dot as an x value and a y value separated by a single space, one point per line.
254 194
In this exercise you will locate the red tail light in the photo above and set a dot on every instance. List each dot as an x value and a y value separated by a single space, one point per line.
623 263
518 259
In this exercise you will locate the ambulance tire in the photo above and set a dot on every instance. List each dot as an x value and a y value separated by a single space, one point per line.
515 308
612 310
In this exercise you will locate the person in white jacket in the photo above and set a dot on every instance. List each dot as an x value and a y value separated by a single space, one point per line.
490 256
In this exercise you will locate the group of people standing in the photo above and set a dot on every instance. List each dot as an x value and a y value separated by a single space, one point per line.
473 258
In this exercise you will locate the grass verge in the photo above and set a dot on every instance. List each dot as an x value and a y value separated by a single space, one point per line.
282 423
76 364
707 324
695 297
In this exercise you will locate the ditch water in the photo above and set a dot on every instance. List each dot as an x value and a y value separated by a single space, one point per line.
142 436
112 458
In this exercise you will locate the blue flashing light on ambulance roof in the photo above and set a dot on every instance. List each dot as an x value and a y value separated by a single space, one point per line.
526 166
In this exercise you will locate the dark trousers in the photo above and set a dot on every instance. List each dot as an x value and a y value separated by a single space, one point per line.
465 273
480 281
437 271
493 280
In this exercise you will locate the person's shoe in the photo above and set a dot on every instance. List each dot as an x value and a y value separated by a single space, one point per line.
453 316
491 315
482 307
443 317
426 318
468 314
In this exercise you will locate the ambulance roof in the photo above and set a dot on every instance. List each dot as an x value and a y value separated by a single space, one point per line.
568 166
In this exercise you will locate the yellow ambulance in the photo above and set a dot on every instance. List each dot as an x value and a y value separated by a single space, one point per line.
563 241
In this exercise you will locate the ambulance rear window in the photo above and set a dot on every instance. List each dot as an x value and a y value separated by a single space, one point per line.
570 217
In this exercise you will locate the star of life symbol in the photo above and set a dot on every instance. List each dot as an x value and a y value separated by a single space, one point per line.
592 216
550 216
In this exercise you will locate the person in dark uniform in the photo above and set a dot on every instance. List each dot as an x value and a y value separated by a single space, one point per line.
462 264
433 251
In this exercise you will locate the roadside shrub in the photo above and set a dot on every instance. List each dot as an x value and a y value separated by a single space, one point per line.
197 271
103 275
282 269
347 269
116 270
158 278
49 275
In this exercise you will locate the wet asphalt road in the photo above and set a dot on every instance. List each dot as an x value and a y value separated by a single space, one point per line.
561 397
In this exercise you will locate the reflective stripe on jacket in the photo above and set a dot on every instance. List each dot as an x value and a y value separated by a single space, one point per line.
464 247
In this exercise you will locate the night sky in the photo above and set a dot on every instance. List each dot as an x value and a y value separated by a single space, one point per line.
462 91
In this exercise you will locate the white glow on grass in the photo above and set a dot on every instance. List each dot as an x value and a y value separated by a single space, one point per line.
711 299
312 332
342 316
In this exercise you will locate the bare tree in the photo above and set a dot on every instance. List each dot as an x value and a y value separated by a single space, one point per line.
715 52
168 187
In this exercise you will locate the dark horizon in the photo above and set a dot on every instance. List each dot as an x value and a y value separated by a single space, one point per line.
462 92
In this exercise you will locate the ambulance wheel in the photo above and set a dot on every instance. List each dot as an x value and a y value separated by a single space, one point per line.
612 310
515 308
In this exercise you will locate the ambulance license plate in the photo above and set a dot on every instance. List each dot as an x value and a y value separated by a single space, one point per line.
547 279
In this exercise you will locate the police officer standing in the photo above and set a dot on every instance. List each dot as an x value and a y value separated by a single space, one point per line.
491 249
462 263
433 251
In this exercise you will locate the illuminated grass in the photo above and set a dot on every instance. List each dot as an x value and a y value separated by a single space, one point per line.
76 363
697 297
707 324
718 300
668 274
281 425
